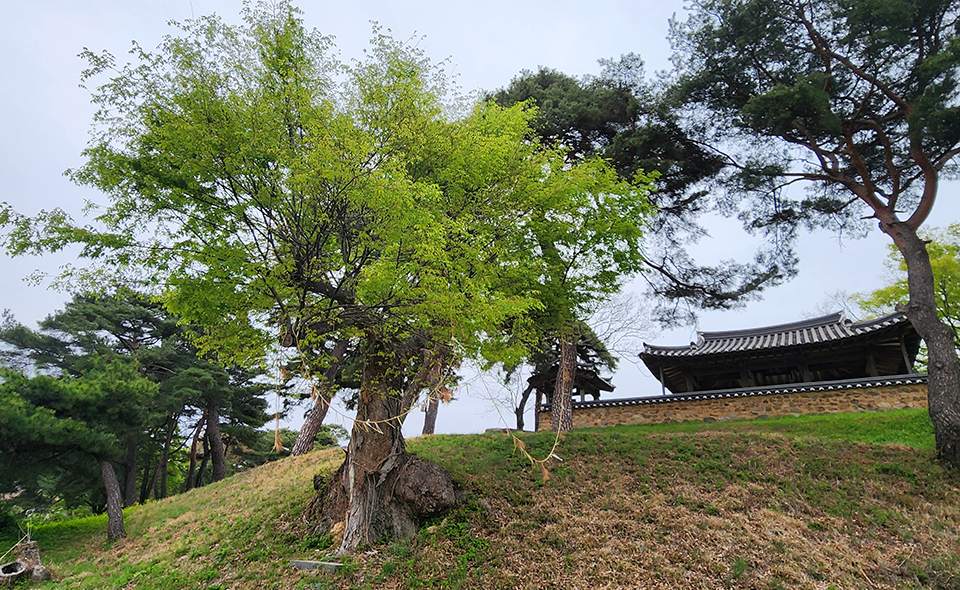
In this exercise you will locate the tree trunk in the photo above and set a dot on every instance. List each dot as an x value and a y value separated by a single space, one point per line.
114 508
943 366
146 482
562 405
153 481
130 473
376 440
536 413
311 426
307 436
202 470
218 457
430 420
523 405
165 457
380 491
190 482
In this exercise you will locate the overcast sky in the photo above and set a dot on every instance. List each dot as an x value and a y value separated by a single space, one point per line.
45 116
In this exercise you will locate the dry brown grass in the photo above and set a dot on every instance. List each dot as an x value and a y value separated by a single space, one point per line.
803 516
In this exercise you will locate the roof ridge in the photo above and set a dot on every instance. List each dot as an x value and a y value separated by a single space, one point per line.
820 329
829 319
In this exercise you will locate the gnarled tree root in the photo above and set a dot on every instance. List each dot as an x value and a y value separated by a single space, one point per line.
403 493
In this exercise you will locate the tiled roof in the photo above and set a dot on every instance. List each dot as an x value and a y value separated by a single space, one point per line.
817 330
755 391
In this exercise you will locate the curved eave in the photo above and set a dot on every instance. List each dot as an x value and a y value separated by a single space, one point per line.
825 329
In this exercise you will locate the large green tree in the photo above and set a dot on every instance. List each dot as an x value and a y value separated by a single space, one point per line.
620 117
587 243
858 100
278 196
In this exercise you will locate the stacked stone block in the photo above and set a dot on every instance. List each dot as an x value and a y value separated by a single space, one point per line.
725 409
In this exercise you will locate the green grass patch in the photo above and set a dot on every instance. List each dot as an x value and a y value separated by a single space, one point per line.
910 428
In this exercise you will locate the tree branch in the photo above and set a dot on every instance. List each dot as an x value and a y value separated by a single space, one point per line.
930 185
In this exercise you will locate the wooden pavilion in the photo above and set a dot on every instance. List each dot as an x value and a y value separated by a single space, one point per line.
827 348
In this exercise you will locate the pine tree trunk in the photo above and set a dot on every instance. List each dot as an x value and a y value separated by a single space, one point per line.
190 481
307 436
311 426
152 489
522 406
130 473
218 457
943 367
562 405
146 482
191 475
114 508
430 420
380 491
165 458
536 413
202 470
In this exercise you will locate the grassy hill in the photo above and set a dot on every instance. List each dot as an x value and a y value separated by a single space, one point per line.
843 501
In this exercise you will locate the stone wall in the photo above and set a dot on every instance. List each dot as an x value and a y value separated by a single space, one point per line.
722 406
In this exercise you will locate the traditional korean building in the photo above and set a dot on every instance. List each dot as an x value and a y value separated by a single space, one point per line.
828 348
821 365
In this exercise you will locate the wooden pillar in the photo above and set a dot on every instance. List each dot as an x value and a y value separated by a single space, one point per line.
872 366
906 357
